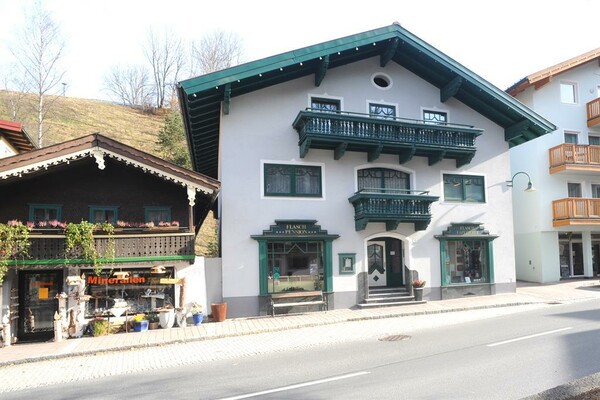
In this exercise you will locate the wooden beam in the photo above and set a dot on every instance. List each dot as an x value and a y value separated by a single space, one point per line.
375 153
227 99
516 130
407 155
436 158
540 84
360 224
451 88
340 150
321 70
389 53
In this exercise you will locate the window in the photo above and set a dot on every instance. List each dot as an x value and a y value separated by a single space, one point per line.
596 191
157 214
466 261
325 105
382 110
382 81
594 140
568 93
571 137
45 212
295 265
574 189
434 117
292 180
101 214
464 188
382 178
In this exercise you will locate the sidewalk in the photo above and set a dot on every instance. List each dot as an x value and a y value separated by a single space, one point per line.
527 293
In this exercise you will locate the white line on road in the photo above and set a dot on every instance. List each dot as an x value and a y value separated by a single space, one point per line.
291 387
529 337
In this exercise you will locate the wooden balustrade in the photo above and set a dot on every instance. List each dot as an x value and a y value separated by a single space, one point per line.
576 211
568 156
593 112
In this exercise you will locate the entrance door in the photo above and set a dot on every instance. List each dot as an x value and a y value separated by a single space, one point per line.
577 254
37 303
377 266
596 258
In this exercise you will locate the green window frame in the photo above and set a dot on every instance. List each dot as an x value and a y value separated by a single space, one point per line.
385 111
435 117
325 105
382 178
102 214
289 180
467 261
45 212
157 214
347 263
464 188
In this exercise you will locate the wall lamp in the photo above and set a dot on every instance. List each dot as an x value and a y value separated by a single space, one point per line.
530 187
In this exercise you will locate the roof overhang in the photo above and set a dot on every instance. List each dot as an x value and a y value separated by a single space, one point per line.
16 135
204 98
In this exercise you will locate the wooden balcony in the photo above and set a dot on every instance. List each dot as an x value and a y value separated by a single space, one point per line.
344 131
574 157
49 248
392 207
575 211
593 112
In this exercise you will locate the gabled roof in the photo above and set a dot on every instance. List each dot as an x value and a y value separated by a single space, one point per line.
201 97
540 78
99 146
16 135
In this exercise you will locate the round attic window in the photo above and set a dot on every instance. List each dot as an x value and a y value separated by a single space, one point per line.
382 81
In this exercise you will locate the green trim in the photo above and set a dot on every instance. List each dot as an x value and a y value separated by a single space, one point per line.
148 210
114 209
100 260
342 257
328 267
491 259
292 173
462 179
263 267
46 207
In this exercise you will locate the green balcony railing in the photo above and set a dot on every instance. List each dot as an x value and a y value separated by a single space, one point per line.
392 206
346 131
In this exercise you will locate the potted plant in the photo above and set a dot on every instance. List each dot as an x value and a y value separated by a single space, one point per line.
153 320
197 315
166 317
140 323
418 285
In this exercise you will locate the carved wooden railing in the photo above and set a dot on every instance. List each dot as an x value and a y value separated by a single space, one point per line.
593 112
568 153
573 208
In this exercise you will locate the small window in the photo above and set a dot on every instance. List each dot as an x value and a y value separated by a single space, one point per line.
435 117
571 137
568 93
325 105
292 180
574 189
102 214
464 188
157 214
45 212
382 81
382 110
596 191
594 140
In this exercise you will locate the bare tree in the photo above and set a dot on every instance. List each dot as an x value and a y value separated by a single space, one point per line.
131 85
165 53
215 51
15 94
38 50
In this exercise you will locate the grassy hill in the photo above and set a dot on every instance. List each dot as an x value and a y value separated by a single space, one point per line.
70 118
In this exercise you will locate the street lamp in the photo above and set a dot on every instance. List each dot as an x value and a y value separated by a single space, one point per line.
530 187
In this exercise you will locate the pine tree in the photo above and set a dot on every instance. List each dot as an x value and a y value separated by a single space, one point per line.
171 141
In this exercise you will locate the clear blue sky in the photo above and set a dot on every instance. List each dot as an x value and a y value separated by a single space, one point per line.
501 41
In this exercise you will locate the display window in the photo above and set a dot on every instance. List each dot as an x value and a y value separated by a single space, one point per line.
295 266
466 261
131 290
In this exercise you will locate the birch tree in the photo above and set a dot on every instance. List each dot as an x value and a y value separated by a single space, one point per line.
215 51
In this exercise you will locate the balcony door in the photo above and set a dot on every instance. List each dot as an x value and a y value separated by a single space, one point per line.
38 303
383 180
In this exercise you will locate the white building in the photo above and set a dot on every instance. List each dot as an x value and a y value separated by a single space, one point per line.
357 163
557 228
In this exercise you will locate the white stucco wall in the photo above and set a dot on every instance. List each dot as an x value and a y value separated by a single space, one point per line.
6 149
533 211
259 129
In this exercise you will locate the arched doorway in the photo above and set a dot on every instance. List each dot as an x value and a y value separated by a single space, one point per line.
385 262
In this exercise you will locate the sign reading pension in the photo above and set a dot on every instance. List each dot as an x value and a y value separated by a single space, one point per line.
295 229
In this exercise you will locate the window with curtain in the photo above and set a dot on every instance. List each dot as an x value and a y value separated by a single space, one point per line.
464 188
44 212
292 180
326 105
100 215
435 117
574 189
382 110
382 178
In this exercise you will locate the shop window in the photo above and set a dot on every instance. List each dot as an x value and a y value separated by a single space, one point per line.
464 188
382 111
101 214
325 105
141 290
294 266
157 214
292 180
382 179
45 212
466 261
435 117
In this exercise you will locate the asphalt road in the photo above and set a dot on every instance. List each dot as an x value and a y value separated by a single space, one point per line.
497 356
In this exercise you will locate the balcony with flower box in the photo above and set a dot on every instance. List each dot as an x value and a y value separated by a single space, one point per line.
579 158
347 131
575 211
392 206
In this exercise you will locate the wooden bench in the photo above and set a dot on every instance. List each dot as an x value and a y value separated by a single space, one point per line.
293 299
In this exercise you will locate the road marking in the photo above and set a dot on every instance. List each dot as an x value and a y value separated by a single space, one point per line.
291 387
529 337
